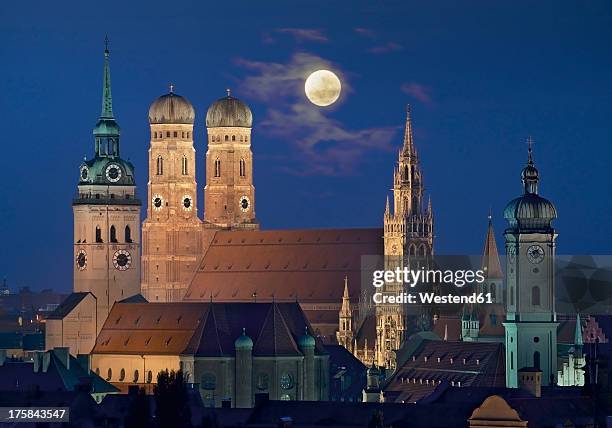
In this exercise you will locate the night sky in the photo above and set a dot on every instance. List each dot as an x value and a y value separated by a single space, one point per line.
480 76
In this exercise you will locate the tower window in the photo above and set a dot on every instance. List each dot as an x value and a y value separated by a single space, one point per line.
168 134
113 234
227 138
233 138
128 234
98 234
241 138
187 134
160 165
155 135
217 168
246 138
175 134
184 165
242 168
183 134
535 296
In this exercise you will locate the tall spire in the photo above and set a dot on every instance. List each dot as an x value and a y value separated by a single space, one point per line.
107 98
387 207
408 148
578 332
490 256
346 302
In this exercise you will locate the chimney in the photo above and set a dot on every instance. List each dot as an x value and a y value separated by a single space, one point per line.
530 379
63 354
84 361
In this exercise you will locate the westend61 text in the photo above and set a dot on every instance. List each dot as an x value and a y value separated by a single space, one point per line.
429 298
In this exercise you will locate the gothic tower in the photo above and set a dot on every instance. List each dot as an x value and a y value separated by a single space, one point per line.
531 322
408 241
229 195
345 333
171 231
106 216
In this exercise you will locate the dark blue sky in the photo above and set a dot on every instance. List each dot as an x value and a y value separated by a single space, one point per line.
481 77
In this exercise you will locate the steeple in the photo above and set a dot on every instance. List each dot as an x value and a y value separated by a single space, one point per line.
490 256
106 131
530 175
578 332
345 310
107 97
408 149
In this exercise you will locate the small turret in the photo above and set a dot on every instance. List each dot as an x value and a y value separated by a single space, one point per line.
244 370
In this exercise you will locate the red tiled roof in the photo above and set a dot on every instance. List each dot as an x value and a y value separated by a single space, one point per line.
284 265
202 329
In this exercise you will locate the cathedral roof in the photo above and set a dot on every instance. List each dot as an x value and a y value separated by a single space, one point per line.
202 329
284 265
171 108
229 112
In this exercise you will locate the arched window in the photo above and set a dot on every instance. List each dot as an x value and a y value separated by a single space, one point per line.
412 250
422 251
535 296
160 165
187 134
241 138
98 234
150 377
536 360
242 168
217 168
233 138
122 375
406 173
246 138
110 374
135 376
183 134
227 138
175 134
184 165
168 134
128 234
155 134
113 234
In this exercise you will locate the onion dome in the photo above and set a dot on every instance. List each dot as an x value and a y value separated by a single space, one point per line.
171 108
243 341
530 211
306 341
229 112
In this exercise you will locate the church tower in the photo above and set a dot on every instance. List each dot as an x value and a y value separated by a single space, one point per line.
171 232
345 334
408 241
229 195
492 267
531 322
106 216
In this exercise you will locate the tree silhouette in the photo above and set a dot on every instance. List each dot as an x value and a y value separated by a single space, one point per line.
171 406
139 413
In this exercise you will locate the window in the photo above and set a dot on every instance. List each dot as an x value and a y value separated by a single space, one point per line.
511 360
113 234
187 134
168 134
128 234
175 134
233 138
209 382
262 381
242 168
109 376
135 376
406 173
535 296
183 134
217 168
422 251
149 376
246 138
512 296
160 165
122 375
227 138
98 234
155 135
184 165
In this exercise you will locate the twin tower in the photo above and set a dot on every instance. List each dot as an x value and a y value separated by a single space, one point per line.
173 236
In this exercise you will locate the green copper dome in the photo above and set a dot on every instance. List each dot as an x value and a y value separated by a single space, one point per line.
229 112
243 341
306 341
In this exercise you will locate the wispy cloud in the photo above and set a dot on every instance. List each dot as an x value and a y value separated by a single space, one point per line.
365 32
386 48
323 145
305 34
418 91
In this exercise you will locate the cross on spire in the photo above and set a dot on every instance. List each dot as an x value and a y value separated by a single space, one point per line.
171 88
530 149
229 92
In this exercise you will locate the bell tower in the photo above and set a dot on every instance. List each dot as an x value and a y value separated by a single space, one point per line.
106 216
531 321
229 194
171 232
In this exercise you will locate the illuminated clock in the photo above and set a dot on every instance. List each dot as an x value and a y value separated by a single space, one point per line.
187 203
158 202
81 260
535 254
122 260
84 173
245 203
286 381
113 173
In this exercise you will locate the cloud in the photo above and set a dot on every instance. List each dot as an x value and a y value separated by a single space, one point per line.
418 91
322 145
386 48
365 32
304 34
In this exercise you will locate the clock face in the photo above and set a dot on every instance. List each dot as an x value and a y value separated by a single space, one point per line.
122 260
286 381
84 173
113 173
81 260
535 254
187 203
158 202
245 203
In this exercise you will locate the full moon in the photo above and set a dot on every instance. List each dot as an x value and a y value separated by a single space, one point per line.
322 88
